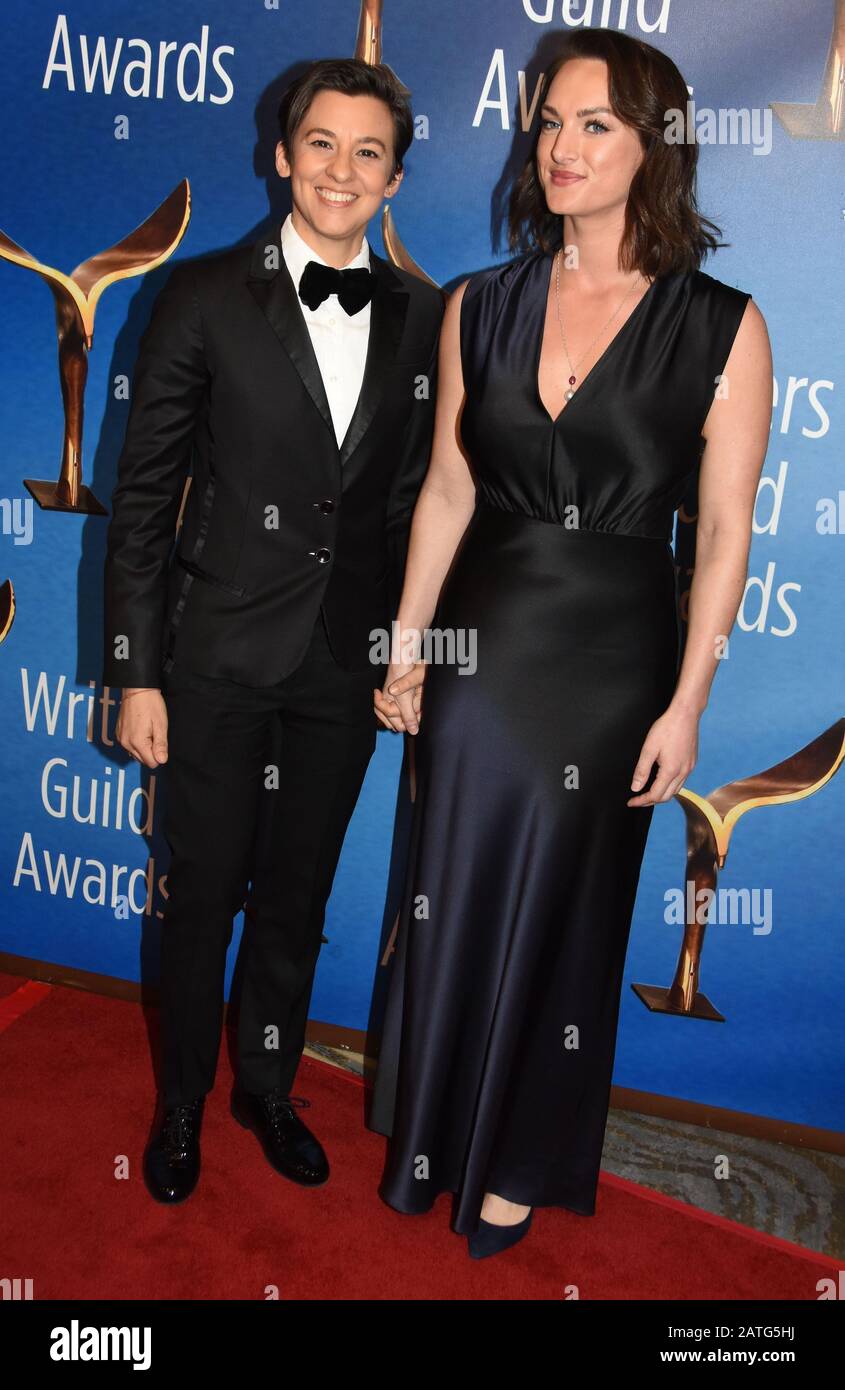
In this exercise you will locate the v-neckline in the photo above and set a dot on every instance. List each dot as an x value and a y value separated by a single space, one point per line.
554 419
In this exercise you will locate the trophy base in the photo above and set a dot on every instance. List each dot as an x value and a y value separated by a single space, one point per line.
656 999
806 121
44 491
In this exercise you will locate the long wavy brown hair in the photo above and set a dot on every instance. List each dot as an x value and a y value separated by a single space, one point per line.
664 231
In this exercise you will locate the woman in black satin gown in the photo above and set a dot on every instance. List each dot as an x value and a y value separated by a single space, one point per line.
550 520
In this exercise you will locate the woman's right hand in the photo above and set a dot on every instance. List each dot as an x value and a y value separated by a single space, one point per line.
399 704
142 725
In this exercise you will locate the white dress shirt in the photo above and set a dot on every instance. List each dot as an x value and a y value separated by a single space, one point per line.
340 340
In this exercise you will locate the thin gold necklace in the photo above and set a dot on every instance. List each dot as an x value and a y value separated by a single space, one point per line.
572 378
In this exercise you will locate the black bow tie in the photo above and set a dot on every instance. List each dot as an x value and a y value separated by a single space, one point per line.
354 288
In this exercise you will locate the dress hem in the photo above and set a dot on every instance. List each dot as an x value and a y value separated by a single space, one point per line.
408 1210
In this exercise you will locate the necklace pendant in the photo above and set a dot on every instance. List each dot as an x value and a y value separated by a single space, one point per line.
567 395
572 381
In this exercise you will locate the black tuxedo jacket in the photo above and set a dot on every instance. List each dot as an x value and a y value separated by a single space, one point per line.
279 521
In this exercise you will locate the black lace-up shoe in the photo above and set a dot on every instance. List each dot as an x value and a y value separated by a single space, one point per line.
288 1144
172 1161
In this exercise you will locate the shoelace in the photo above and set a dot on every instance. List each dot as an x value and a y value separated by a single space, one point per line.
180 1124
282 1107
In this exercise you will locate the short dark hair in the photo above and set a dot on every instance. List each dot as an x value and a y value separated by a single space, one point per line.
664 230
353 77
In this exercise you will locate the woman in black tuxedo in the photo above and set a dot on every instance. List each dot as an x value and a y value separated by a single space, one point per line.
577 385
286 374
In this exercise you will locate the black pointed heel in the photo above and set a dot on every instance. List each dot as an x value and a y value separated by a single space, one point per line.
490 1239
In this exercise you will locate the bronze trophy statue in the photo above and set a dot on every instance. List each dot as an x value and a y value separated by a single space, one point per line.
710 823
76 296
823 119
7 608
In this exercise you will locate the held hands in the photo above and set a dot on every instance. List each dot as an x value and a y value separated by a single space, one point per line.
672 743
142 725
399 705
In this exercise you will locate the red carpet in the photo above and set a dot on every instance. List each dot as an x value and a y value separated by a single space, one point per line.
77 1104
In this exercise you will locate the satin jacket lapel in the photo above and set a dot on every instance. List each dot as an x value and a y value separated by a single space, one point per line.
388 310
274 293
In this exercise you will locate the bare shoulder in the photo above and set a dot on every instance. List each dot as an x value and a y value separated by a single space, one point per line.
750 356
752 336
744 398
752 333
482 289
473 284
455 299
452 315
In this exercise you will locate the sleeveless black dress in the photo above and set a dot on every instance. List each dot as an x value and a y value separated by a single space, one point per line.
500 1031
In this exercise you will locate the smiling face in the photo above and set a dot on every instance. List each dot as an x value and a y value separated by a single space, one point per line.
340 170
586 158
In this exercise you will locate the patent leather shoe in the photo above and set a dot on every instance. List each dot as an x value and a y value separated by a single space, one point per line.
288 1144
172 1161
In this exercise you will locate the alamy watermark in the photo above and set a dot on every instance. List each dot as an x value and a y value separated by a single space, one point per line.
438 646
729 125
733 906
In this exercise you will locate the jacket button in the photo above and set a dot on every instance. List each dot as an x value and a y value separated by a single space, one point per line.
322 555
325 507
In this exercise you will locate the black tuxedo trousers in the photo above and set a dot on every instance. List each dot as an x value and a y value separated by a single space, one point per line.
260 786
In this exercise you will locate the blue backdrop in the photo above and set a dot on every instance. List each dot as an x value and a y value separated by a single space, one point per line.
87 157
